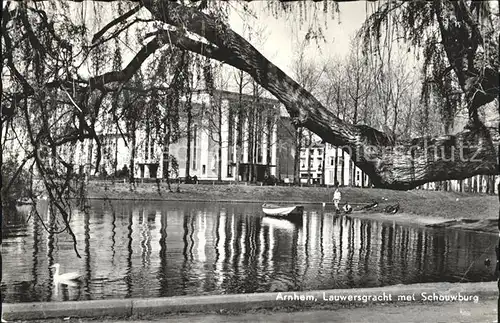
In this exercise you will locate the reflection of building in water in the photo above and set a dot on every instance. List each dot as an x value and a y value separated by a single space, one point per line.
194 250
220 248
327 242
312 248
243 254
199 256
269 241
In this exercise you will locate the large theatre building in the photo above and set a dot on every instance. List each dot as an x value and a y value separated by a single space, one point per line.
219 122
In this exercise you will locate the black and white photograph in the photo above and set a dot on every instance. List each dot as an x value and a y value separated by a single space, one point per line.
250 161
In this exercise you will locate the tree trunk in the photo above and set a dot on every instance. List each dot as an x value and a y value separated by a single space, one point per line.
342 169
323 164
115 162
352 169
219 162
219 151
132 158
310 158
253 177
251 132
277 165
188 126
89 161
336 167
166 152
298 147
166 164
239 137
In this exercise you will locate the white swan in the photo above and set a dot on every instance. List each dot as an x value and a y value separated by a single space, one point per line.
67 278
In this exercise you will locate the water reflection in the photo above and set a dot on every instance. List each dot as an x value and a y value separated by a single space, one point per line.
166 249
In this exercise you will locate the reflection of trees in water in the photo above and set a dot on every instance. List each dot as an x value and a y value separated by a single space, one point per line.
88 254
163 282
50 250
36 242
113 237
147 216
188 249
213 249
220 235
130 250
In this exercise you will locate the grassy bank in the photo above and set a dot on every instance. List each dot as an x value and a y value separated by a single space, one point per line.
446 205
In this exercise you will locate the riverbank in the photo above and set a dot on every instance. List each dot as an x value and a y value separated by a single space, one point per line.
477 212
444 298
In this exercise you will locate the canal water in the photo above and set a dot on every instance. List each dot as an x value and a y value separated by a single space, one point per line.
157 249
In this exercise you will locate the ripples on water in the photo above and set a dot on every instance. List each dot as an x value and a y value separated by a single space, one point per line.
166 249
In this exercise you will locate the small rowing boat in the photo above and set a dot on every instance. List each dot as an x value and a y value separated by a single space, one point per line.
283 211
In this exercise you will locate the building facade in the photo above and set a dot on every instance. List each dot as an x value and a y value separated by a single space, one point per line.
336 165
223 126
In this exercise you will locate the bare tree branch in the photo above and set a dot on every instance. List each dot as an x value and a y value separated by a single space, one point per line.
115 21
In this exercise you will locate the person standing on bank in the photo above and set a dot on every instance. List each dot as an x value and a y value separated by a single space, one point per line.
336 199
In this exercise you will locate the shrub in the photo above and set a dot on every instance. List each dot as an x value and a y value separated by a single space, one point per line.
20 187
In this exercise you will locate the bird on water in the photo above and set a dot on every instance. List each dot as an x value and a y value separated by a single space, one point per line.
66 277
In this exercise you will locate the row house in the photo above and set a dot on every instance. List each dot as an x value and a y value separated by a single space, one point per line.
336 165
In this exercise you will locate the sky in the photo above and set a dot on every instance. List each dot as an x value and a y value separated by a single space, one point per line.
282 35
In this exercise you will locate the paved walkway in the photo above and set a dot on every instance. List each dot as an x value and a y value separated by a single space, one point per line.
485 311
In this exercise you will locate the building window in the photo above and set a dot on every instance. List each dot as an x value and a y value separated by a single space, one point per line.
332 161
203 169
320 152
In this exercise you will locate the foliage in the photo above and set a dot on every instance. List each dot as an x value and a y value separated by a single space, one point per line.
16 181
457 36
